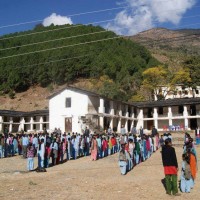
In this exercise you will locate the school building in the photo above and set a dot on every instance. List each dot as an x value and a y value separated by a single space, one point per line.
73 109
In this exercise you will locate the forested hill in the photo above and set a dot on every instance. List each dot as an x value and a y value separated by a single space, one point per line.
56 55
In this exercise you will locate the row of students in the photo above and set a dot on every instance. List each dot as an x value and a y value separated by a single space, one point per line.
136 150
189 165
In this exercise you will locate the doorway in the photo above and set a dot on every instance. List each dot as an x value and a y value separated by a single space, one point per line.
68 124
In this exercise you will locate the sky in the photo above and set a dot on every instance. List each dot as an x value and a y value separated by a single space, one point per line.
127 17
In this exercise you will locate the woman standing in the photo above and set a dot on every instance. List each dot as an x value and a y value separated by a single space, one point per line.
123 159
94 148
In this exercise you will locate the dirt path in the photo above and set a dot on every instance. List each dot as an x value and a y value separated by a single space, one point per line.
84 179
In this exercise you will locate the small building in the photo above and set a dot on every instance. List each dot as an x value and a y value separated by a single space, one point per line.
73 109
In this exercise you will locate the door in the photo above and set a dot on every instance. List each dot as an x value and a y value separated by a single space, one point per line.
150 124
68 124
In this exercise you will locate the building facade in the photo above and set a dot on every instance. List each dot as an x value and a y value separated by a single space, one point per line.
79 108
73 109
15 121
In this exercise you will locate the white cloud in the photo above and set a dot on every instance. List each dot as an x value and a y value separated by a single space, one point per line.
56 20
143 14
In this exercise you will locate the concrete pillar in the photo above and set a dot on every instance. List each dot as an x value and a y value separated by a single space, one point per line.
185 114
41 123
119 125
127 113
132 112
170 112
22 122
170 116
31 124
140 120
120 110
111 123
112 111
101 122
1 123
155 117
10 125
126 125
101 106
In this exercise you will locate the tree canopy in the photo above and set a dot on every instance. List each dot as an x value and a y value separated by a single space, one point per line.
121 60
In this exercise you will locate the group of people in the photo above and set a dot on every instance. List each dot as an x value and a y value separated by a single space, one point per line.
133 149
57 147
136 149
188 166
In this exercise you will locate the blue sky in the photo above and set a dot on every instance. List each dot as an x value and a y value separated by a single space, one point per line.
138 16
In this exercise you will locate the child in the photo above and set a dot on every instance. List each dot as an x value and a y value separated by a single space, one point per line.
30 156
185 185
123 159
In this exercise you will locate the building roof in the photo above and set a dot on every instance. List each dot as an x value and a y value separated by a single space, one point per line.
144 104
83 91
87 92
168 102
12 113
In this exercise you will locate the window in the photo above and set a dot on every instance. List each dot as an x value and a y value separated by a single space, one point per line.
197 91
160 110
180 109
68 102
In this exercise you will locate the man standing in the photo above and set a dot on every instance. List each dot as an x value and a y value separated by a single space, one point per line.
87 132
154 131
141 132
170 167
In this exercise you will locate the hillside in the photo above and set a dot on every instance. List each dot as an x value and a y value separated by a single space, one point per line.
170 47
112 68
57 55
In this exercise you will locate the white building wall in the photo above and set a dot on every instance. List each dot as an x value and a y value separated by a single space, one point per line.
58 111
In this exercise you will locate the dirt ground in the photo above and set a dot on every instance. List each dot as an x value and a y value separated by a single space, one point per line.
86 179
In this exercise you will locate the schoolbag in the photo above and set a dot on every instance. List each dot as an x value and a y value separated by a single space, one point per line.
122 156
187 172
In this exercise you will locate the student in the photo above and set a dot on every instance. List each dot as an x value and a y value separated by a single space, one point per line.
170 165
104 147
41 151
94 148
137 152
69 149
35 143
54 151
62 150
30 157
47 155
185 184
1 145
123 159
25 143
